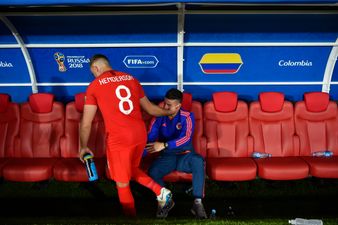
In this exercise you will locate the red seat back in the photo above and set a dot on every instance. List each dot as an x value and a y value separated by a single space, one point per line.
272 125
226 126
316 123
9 125
70 144
197 140
42 125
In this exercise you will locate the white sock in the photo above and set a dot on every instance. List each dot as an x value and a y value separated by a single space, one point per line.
198 201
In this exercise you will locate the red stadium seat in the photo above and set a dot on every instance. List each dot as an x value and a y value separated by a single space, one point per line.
317 128
41 126
199 141
228 144
9 128
273 131
190 105
70 168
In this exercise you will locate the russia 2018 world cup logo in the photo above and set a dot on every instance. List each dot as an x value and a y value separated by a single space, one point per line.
60 59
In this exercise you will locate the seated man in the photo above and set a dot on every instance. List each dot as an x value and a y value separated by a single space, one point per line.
172 136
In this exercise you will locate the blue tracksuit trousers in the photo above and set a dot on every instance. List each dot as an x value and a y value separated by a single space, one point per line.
188 163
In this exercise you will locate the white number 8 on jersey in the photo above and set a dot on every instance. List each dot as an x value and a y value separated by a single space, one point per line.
124 99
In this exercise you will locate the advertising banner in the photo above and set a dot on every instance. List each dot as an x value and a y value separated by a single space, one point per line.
255 64
71 65
13 68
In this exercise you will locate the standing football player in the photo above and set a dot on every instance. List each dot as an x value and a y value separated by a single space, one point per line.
119 96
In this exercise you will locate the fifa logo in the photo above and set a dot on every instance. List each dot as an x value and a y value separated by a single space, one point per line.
60 59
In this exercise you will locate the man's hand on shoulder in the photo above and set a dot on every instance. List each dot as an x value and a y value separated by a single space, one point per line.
155 147
153 109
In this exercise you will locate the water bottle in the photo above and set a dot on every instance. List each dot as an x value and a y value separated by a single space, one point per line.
300 221
260 155
322 154
189 191
213 214
229 211
90 167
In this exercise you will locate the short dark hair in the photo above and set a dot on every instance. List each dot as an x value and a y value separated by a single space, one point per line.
174 94
98 56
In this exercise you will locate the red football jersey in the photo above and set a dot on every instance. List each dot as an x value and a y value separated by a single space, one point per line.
117 95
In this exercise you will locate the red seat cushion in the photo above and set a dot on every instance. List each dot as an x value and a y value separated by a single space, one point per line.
225 101
271 101
231 169
282 168
323 167
72 169
29 169
41 102
316 101
177 176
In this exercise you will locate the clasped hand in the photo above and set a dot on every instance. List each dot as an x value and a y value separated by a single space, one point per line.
155 147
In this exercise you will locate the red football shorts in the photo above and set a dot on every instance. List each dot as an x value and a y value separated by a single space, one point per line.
122 160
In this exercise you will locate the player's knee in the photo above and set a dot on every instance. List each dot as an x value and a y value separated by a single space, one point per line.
198 161
153 172
122 184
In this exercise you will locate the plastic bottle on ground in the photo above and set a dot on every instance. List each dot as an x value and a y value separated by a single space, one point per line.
229 211
301 221
213 214
189 191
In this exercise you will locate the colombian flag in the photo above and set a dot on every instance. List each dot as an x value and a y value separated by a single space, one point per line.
221 63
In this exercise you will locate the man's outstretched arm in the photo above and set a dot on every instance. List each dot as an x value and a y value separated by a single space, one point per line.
89 112
152 109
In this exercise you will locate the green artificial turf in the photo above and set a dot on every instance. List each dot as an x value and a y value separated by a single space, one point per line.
107 221
252 202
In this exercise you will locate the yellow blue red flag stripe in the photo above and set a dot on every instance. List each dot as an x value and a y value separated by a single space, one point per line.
220 63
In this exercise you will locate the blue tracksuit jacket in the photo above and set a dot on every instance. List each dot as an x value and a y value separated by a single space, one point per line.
179 155
177 132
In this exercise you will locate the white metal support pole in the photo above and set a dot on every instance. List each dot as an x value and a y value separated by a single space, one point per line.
180 42
329 68
24 52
